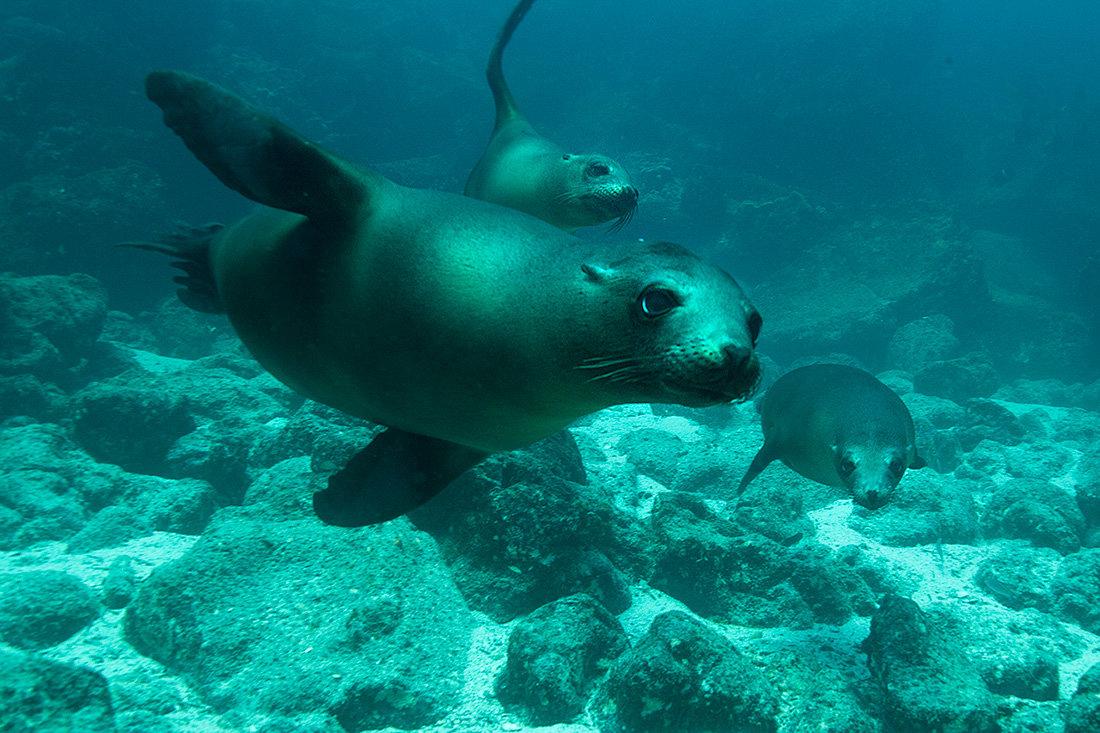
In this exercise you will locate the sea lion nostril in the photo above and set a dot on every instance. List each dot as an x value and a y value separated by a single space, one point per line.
737 357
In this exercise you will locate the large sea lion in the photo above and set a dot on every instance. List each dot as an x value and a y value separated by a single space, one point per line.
525 171
839 426
465 327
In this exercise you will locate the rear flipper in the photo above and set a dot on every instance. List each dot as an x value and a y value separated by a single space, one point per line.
190 250
255 154
393 475
763 457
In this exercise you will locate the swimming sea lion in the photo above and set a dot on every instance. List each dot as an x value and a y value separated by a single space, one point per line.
465 327
525 171
839 426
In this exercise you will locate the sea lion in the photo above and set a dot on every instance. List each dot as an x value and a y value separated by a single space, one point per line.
839 426
523 170
464 327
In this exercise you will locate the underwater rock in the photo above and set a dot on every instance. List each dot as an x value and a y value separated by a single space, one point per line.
719 571
556 655
285 491
663 453
1088 497
684 676
1019 577
921 342
986 420
958 379
517 529
1037 511
1081 713
329 436
49 325
924 678
848 293
120 583
42 608
296 617
130 425
1076 589
110 527
1027 673
27 395
927 508
38 694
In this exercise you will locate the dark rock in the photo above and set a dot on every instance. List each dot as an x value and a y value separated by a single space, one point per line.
38 694
517 529
555 657
987 420
42 608
925 680
111 527
49 324
1088 500
120 583
215 454
721 572
25 394
927 508
1037 511
1019 577
1031 675
683 676
957 379
329 436
130 425
185 506
1081 713
285 490
921 342
1076 588
295 617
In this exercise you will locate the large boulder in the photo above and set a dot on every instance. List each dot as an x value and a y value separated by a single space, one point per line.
42 608
524 528
556 655
38 694
295 617
684 676
925 681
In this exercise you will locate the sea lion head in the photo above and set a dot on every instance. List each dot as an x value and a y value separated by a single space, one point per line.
680 330
870 469
597 189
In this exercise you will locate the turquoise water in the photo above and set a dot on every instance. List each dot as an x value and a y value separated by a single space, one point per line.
909 188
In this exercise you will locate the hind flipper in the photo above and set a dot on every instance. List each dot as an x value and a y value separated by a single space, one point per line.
393 475
252 152
502 96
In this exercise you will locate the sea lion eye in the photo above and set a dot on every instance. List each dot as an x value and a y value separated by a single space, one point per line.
599 169
847 465
566 156
656 302
755 322
896 466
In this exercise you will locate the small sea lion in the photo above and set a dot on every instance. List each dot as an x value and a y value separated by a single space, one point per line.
839 426
464 327
525 171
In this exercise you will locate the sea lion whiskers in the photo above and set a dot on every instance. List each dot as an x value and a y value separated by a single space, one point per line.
622 221
628 368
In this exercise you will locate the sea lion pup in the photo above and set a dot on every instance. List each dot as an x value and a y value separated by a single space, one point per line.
464 327
523 170
839 426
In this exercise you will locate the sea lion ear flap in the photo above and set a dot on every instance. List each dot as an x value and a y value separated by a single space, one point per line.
253 153
918 462
596 273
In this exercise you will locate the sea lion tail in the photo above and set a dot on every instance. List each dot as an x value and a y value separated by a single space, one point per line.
255 154
190 250
502 95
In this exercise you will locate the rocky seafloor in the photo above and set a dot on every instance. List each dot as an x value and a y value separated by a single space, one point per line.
161 568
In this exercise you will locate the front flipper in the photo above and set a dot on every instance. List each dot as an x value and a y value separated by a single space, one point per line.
763 457
393 475
253 153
